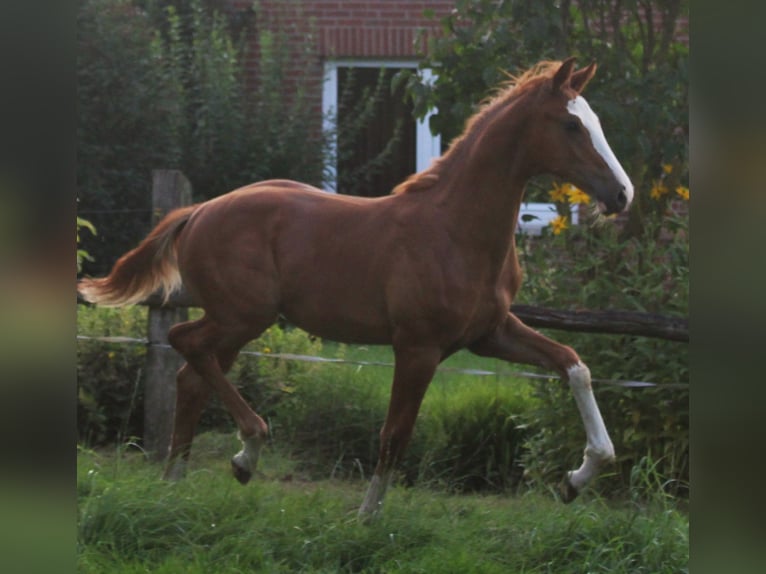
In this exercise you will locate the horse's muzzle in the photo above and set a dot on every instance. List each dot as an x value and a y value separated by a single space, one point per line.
614 203
621 201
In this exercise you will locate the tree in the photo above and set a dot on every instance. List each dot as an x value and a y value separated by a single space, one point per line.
164 88
640 91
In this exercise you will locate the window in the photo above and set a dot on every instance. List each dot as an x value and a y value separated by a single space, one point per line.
413 151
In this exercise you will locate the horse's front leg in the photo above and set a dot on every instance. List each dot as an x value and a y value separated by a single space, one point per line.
515 342
413 371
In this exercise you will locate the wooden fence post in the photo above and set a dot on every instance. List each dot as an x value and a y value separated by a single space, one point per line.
170 189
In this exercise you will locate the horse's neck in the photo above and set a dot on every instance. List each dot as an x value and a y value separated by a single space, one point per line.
482 206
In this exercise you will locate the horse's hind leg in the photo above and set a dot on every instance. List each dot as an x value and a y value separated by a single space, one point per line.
515 342
192 396
209 349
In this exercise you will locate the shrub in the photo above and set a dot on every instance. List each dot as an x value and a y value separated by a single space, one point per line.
471 437
331 420
167 88
263 381
125 114
109 375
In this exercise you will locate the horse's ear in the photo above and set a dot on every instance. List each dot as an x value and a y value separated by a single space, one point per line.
563 74
580 78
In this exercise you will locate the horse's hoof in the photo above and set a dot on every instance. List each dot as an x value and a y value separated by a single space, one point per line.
567 491
366 518
174 471
241 474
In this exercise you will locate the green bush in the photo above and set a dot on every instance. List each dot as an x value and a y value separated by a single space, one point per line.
330 421
264 381
471 437
593 268
167 88
109 375
125 118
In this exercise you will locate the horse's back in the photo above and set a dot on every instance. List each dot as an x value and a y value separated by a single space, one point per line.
279 246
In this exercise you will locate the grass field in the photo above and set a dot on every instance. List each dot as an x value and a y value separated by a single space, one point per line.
129 522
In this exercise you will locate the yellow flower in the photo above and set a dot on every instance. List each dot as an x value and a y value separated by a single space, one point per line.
559 224
683 192
667 168
559 193
658 190
576 195
266 350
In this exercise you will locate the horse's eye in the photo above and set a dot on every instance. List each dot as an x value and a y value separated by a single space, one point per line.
572 125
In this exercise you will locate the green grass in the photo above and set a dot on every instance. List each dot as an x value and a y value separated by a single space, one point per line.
461 360
129 521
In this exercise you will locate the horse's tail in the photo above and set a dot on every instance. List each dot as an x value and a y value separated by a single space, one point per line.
141 271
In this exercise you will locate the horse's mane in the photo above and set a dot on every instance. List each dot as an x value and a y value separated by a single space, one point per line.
508 90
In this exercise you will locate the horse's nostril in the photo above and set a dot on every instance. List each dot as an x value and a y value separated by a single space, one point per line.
622 199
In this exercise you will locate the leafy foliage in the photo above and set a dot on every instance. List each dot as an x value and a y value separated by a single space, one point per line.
124 125
161 87
82 254
640 91
109 376
471 437
592 267
358 107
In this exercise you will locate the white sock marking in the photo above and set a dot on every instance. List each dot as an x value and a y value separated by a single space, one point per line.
598 447
373 500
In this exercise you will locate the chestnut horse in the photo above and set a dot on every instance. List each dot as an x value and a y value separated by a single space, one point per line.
429 269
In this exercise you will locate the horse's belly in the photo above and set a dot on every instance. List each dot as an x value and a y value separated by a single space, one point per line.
335 306
342 325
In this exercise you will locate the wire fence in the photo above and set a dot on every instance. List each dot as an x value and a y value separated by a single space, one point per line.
356 362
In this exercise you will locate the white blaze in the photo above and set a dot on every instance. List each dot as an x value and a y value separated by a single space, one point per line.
579 107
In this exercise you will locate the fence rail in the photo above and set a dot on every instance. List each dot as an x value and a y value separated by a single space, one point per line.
613 322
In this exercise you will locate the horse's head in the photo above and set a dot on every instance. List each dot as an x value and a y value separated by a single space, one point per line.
568 142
